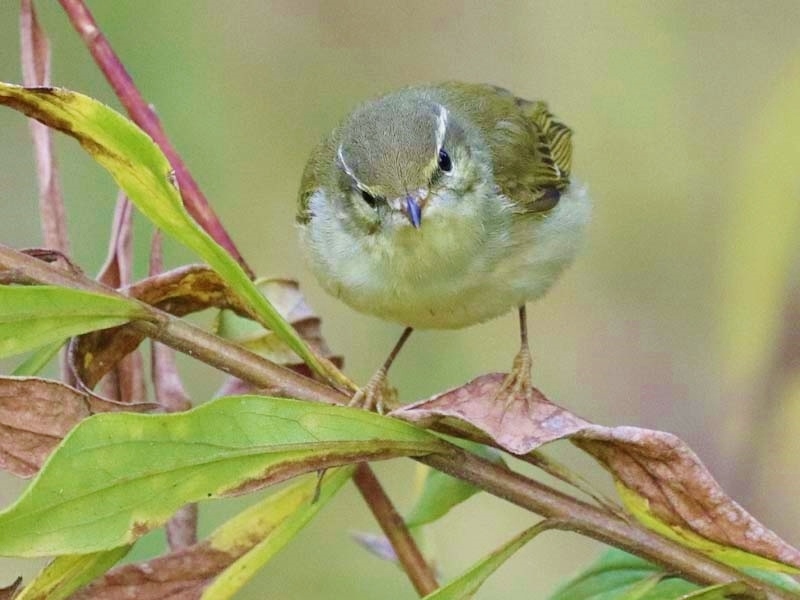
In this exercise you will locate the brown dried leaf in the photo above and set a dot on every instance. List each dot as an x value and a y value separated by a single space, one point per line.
35 414
117 270
35 54
125 382
180 575
192 288
655 466
519 427
181 291
252 538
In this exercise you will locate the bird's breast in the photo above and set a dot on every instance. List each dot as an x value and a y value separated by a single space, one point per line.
456 270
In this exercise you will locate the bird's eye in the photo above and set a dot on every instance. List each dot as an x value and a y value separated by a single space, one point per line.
445 164
368 198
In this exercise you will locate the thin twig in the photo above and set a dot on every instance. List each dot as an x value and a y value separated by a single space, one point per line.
35 57
572 514
35 52
145 117
393 525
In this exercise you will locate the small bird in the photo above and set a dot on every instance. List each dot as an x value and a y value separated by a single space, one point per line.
441 206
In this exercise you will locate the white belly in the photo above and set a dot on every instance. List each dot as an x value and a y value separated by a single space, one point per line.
454 271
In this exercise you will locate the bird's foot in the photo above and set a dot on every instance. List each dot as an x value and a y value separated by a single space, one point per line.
377 395
517 386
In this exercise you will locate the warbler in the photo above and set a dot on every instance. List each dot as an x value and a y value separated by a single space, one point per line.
440 206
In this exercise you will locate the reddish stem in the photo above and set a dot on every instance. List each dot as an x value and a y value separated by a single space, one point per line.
393 525
144 116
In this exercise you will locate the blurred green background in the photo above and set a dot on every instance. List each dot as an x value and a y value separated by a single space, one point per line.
687 133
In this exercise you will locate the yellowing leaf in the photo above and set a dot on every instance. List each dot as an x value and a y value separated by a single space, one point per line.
67 573
117 475
735 557
272 523
144 174
221 564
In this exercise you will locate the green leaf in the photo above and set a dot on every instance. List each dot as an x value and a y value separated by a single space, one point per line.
441 492
68 573
37 315
38 360
617 575
116 476
143 172
642 588
275 520
467 584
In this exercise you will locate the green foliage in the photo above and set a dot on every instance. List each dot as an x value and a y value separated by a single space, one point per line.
441 492
467 584
618 575
273 522
37 360
37 315
116 476
144 174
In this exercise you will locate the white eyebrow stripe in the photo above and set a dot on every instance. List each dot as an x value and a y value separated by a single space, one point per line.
347 169
441 127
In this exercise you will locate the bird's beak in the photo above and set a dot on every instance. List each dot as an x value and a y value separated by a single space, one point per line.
412 208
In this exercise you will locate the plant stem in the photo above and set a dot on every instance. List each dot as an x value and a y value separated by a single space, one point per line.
393 525
145 117
571 513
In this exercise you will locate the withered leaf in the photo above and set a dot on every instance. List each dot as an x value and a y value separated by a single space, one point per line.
117 270
230 556
654 465
125 382
181 291
180 575
35 414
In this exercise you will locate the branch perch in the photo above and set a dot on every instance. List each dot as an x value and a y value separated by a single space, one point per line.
571 513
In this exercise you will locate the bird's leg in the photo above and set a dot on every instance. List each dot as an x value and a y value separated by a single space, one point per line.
517 384
374 395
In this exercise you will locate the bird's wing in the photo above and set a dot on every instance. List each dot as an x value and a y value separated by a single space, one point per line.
316 167
531 149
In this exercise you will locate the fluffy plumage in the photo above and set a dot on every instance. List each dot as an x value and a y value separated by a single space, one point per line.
497 228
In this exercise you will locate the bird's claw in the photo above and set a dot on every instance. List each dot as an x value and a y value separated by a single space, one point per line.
377 395
517 385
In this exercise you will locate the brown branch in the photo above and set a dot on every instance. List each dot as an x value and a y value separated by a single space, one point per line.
393 525
145 117
572 514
